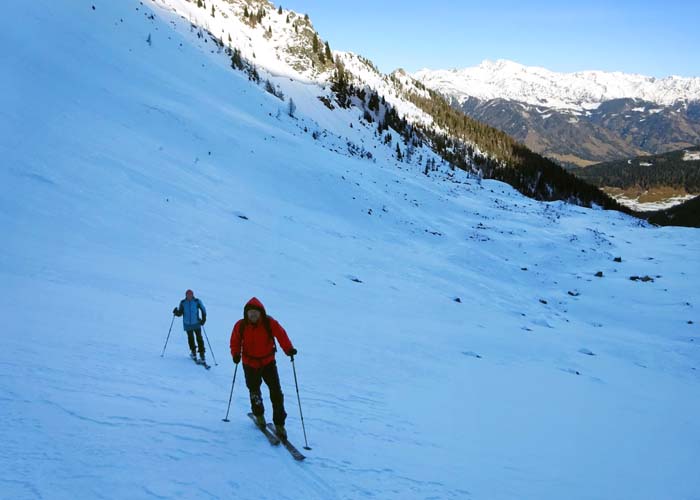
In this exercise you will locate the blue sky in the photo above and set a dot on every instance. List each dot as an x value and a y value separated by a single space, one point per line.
648 37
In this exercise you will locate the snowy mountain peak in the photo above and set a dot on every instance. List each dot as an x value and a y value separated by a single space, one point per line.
542 87
502 64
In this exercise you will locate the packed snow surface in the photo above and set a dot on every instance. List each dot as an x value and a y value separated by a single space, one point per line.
454 341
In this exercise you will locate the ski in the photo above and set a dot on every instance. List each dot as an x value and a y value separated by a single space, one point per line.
290 447
271 436
200 362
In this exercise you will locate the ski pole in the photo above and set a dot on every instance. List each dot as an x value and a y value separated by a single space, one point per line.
225 419
168 337
299 400
210 349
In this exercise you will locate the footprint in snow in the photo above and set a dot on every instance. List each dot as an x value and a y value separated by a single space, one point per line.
542 322
472 354
571 371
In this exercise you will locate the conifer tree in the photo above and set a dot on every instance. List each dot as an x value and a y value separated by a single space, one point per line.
279 11
373 102
236 60
199 3
315 43
340 84
329 54
212 11
253 74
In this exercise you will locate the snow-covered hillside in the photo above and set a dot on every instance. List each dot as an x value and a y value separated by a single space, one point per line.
276 43
281 45
541 87
454 340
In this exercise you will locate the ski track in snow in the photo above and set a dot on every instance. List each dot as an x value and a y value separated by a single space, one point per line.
455 341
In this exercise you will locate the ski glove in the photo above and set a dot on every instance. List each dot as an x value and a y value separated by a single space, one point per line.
236 358
292 352
204 319
175 311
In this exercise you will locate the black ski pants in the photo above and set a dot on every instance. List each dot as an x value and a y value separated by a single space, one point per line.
253 379
190 339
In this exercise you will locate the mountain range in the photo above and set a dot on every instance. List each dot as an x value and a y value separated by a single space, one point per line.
580 118
405 115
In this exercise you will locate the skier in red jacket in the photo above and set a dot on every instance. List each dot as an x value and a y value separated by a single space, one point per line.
254 337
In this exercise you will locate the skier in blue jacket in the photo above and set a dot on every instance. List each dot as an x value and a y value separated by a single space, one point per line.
189 310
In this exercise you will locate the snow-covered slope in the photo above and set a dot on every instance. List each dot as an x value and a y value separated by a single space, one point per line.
541 87
286 50
134 170
278 43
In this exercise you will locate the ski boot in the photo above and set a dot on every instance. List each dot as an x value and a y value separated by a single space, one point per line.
281 432
260 421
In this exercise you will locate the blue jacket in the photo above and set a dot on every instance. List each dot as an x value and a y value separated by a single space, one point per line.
190 315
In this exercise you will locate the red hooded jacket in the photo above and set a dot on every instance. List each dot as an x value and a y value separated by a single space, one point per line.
256 344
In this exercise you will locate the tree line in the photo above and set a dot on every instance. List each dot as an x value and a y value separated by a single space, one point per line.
647 172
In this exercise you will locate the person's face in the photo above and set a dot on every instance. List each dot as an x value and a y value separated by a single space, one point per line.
253 315
189 295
